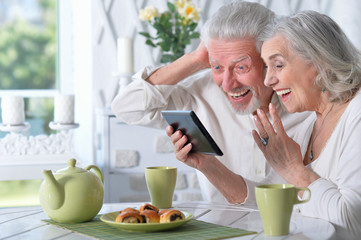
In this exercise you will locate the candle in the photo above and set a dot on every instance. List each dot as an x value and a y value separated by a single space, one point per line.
125 55
12 110
64 109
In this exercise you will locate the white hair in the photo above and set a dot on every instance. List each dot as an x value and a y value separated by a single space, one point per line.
320 41
236 21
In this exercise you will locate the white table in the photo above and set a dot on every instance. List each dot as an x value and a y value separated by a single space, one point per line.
25 222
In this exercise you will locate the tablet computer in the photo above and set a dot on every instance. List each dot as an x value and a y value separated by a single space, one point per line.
191 126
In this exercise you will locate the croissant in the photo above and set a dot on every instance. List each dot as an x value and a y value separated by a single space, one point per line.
147 206
129 217
150 216
129 209
171 216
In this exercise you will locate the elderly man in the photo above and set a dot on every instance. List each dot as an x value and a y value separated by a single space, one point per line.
222 82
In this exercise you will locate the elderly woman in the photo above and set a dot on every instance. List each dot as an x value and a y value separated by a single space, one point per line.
314 67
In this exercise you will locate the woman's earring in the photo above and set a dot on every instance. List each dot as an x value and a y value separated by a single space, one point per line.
323 90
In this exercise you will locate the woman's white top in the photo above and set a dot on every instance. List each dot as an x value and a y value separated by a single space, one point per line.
336 195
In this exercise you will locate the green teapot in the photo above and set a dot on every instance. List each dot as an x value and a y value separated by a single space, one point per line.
72 194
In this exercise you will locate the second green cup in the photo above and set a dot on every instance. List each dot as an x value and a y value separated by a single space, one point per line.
275 203
161 183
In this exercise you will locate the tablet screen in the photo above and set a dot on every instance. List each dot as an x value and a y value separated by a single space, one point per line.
191 126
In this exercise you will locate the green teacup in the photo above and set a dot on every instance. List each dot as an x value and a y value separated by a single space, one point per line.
275 203
161 184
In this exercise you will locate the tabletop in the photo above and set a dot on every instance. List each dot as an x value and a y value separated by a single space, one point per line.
26 222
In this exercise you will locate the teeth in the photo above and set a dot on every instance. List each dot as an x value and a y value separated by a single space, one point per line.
283 91
239 94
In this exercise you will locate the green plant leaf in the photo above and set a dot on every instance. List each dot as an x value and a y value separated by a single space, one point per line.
194 35
161 26
192 26
150 43
166 58
166 44
171 6
166 20
145 34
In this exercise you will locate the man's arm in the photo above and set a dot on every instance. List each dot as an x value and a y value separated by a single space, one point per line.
143 99
181 68
231 185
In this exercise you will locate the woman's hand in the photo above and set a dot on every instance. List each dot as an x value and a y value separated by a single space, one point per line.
182 151
281 152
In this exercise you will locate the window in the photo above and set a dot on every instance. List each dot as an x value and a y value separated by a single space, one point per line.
28 68
19 193
28 57
73 75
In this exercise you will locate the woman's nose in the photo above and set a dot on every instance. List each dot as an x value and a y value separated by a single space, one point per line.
270 79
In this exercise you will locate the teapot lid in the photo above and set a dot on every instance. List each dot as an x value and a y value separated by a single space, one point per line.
71 168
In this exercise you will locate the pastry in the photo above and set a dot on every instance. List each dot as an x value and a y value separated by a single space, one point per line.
129 209
147 206
150 216
129 217
171 215
163 211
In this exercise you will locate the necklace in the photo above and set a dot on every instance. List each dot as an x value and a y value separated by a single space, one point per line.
318 132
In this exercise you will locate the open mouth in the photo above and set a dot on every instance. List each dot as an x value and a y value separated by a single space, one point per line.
284 93
238 94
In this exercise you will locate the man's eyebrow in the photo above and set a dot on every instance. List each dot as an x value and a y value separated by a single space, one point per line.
236 60
239 59
213 60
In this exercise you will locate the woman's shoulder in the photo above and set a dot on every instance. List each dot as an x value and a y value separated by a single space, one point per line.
353 110
355 103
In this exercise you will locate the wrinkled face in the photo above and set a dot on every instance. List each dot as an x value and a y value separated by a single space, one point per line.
239 70
290 76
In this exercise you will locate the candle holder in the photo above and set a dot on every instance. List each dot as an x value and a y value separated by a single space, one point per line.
63 126
123 80
14 127
63 113
13 114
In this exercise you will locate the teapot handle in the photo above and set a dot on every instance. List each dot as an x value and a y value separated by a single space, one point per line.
96 170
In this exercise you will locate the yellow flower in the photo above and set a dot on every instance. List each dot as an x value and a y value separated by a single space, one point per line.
179 4
175 28
187 10
148 13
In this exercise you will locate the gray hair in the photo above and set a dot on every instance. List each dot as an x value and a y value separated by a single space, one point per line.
320 41
237 20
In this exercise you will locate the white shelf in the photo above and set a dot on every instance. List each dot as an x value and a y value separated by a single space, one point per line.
25 167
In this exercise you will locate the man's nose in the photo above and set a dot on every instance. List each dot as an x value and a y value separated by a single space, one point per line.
229 81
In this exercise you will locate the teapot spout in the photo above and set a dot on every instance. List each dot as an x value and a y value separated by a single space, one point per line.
55 195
